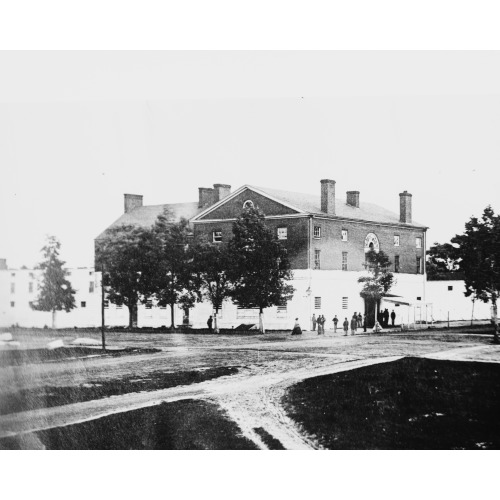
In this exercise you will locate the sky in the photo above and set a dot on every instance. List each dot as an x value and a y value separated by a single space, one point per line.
80 129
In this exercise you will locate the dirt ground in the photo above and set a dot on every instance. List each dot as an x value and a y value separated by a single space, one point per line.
268 365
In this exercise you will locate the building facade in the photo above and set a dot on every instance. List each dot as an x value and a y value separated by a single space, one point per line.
326 237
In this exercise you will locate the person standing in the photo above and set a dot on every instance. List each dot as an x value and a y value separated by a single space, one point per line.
296 328
354 324
360 320
335 321
314 322
364 322
346 327
209 324
386 318
321 325
393 317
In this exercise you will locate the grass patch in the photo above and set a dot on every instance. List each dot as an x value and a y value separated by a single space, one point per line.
181 425
270 441
34 356
45 397
408 404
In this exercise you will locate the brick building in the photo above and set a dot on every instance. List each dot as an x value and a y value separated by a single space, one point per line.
326 237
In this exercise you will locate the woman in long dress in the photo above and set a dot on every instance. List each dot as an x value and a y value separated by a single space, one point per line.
296 328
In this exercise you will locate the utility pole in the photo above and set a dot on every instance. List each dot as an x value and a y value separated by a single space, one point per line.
103 335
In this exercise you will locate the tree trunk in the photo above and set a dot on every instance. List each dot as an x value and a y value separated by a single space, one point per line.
496 340
172 318
261 322
132 316
54 319
216 327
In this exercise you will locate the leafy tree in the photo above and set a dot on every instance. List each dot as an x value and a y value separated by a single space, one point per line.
479 252
260 266
126 256
442 262
175 280
379 280
56 293
213 262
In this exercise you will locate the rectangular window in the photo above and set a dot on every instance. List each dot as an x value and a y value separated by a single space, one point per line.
345 302
450 288
282 310
12 304
30 287
244 313
317 302
12 288
83 304
419 265
317 259
91 287
418 242
344 234
106 304
396 263
91 273
396 240
282 233
217 236
419 298
317 231
344 261
119 306
149 304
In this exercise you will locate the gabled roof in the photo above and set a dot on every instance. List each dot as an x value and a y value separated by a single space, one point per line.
312 204
145 216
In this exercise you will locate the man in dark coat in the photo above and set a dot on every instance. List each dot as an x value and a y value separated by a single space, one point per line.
393 317
314 322
386 318
209 324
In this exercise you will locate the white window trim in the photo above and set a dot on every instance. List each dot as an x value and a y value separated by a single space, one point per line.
213 236
319 232
285 229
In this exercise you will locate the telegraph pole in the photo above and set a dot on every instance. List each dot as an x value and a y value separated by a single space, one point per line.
103 335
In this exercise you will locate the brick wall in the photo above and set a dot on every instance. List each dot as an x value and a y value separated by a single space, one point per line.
233 208
331 246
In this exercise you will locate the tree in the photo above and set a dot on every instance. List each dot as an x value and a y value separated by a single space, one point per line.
175 280
126 257
56 293
379 280
479 252
442 262
260 266
212 263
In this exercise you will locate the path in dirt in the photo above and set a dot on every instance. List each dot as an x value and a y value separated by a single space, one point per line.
251 397
246 398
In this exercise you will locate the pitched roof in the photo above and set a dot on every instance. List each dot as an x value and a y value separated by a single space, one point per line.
312 204
146 215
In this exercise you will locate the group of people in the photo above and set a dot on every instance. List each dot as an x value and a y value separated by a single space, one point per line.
320 321
383 318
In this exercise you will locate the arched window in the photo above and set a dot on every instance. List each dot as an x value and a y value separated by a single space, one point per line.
371 242
248 204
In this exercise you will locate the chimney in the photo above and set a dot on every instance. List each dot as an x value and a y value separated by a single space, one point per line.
205 197
405 207
221 191
3 264
132 201
353 198
328 196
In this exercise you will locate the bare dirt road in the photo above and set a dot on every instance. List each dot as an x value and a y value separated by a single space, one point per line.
267 365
